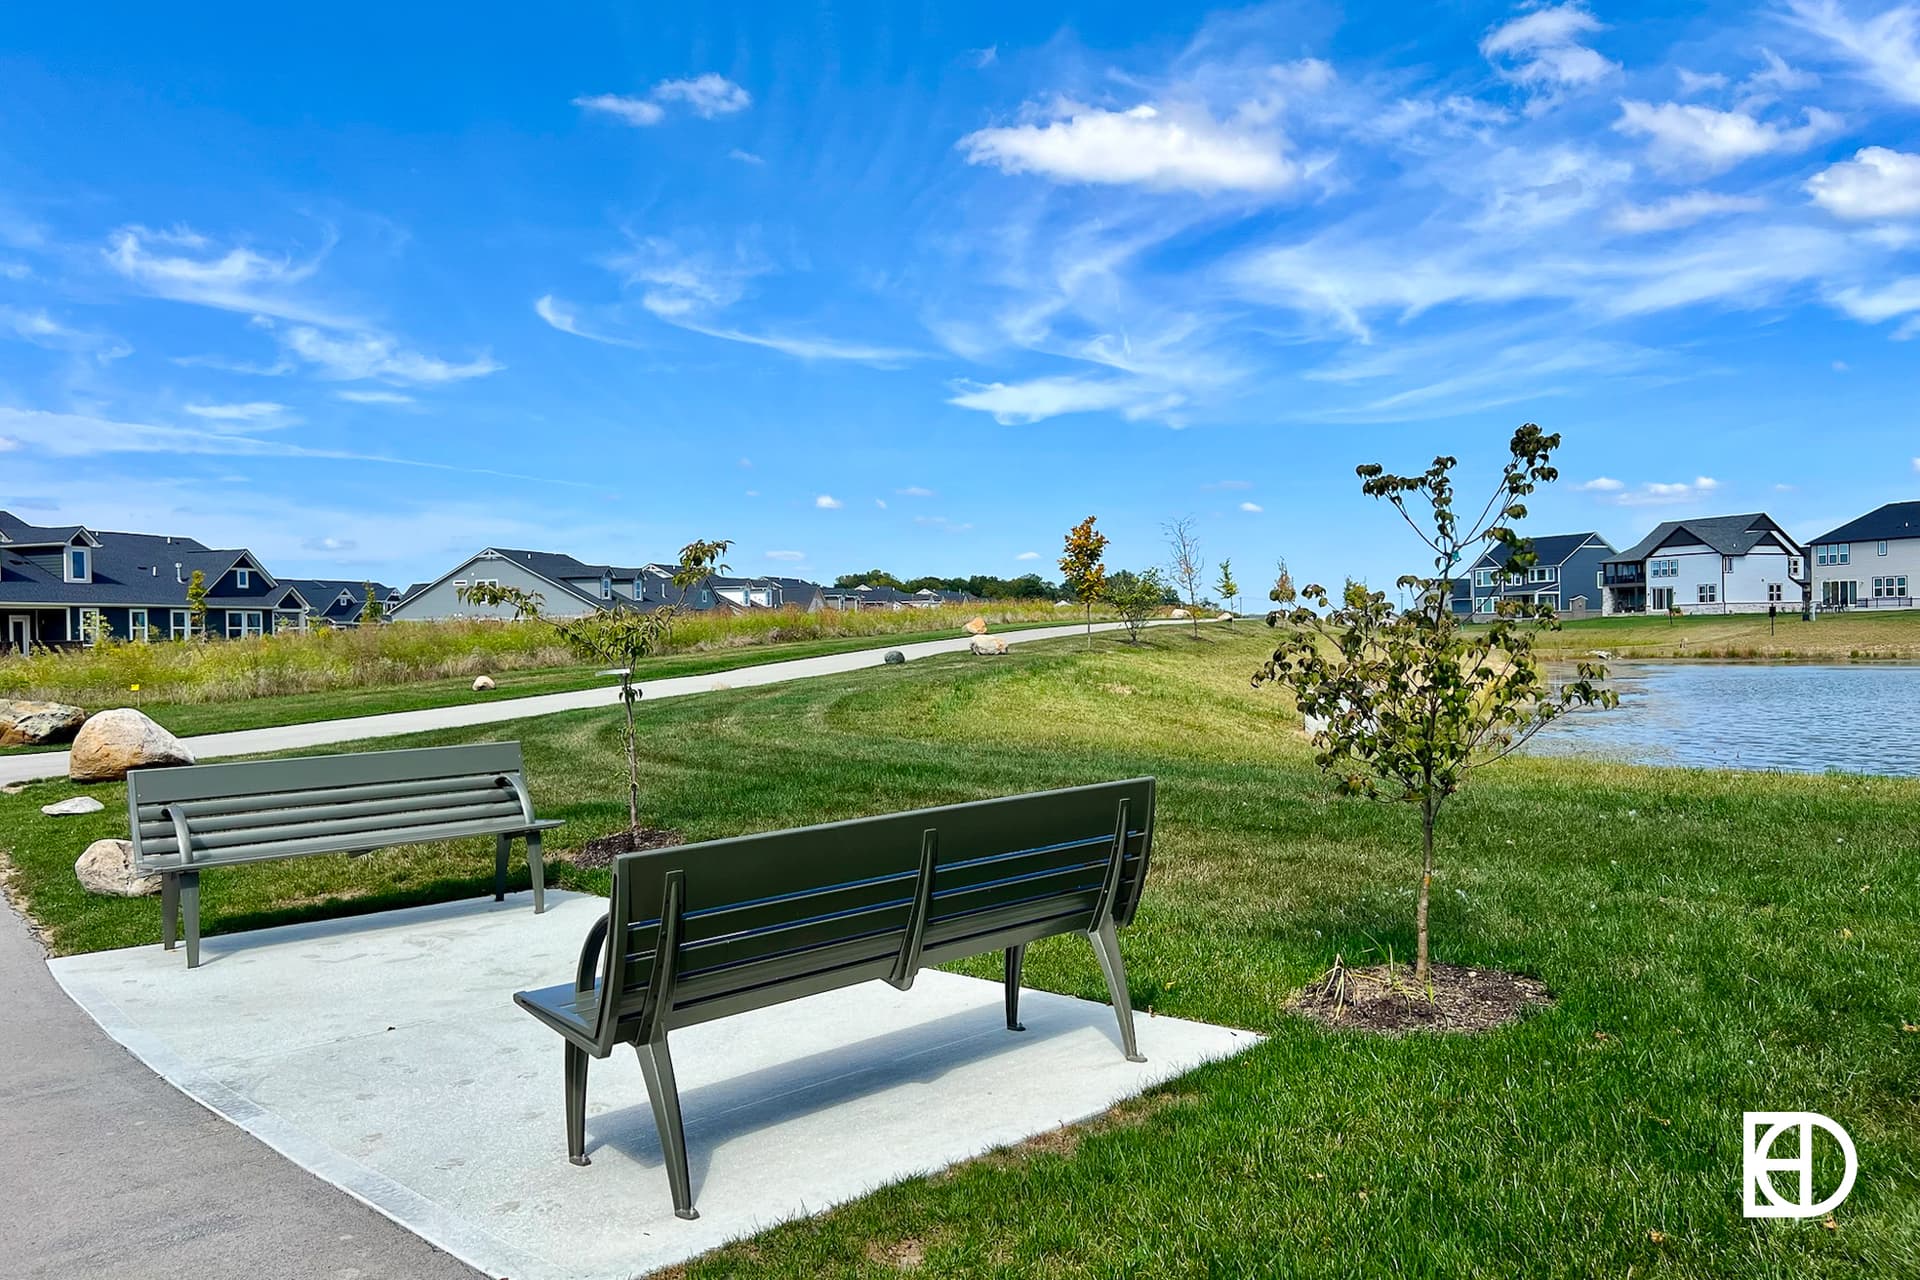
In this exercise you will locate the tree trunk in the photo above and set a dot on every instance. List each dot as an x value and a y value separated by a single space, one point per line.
1426 887
1089 626
627 694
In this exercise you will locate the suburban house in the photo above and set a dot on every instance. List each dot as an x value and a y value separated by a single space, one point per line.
74 585
1565 576
568 588
865 596
1872 562
340 602
767 593
1709 564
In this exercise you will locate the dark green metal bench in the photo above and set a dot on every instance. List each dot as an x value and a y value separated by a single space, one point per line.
187 819
707 930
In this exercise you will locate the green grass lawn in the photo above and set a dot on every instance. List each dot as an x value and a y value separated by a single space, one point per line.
1856 635
189 718
1716 942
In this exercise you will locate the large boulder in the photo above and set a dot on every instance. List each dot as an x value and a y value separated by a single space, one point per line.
976 627
107 868
894 658
1179 613
72 806
32 724
482 683
987 646
113 742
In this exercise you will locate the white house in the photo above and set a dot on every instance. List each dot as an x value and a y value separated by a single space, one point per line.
1872 562
1712 564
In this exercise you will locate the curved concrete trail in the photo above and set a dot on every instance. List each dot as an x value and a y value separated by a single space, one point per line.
292 737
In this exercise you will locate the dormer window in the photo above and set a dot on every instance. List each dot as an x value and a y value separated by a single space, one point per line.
243 578
79 565
606 586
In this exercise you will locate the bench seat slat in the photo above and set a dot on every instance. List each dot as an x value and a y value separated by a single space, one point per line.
242 802
161 827
392 827
349 843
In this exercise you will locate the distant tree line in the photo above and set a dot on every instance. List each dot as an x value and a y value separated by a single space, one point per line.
1028 586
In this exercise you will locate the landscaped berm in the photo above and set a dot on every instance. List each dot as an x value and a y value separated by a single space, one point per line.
1707 944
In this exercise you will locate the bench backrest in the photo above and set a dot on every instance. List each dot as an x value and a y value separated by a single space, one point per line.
705 930
261 809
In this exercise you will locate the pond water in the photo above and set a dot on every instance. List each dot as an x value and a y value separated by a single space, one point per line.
1805 718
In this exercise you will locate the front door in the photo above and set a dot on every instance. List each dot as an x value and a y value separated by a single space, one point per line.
20 633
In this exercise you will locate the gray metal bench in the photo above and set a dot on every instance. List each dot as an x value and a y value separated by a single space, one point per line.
187 819
707 930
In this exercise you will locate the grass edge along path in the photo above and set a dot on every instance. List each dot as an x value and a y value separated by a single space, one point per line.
1715 943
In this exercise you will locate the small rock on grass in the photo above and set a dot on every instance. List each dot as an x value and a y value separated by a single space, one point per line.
75 805
482 683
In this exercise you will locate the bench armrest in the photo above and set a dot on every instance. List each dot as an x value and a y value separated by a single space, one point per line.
178 814
584 975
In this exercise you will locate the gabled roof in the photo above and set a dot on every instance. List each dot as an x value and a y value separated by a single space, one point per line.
18 533
322 596
1553 549
143 570
1729 535
1894 521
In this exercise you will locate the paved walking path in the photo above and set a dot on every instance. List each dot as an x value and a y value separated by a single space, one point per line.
292 737
107 1170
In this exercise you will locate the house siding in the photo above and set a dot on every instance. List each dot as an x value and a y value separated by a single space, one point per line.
1864 564
442 600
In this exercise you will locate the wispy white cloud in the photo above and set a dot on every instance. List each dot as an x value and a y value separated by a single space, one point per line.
639 112
1544 47
37 326
915 491
1687 137
1019 403
1601 484
707 96
353 357
183 265
252 411
1161 147
795 556
1884 49
1877 183
8 444
1887 301
1252 508
373 397
880 503
827 502
1035 555
1682 210
745 157
1664 493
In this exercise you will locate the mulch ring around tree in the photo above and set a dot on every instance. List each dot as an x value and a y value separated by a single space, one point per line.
602 850
1387 1000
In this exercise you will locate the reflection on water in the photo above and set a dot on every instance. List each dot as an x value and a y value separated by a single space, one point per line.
1862 719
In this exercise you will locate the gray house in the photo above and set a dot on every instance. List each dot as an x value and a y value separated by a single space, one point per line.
71 585
568 588
1565 576
1708 564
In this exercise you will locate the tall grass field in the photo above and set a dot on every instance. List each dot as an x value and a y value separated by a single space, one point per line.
404 653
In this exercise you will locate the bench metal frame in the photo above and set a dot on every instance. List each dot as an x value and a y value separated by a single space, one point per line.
186 819
702 931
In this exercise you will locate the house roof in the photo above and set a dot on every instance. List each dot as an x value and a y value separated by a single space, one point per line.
147 570
1549 549
17 532
1729 535
322 596
1894 521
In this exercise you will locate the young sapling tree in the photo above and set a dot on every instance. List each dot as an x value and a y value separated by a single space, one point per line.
1081 567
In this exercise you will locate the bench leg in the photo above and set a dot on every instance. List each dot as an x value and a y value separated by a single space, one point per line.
190 908
1106 948
537 868
169 910
657 1066
502 845
577 1061
1016 957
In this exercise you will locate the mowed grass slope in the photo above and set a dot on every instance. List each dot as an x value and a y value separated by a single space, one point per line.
1716 942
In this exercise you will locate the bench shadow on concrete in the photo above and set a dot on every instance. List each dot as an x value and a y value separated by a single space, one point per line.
742 1105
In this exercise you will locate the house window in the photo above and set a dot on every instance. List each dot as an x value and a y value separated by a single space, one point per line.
77 566
89 626
1483 605
1890 587
242 623
1726 564
1663 568
1483 578
1882 549
1660 598
606 587
1793 567
1538 574
1839 593
1833 553
1515 579
1709 593
179 624
137 624
243 578
1774 594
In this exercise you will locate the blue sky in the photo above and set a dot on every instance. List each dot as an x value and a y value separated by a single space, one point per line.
367 289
